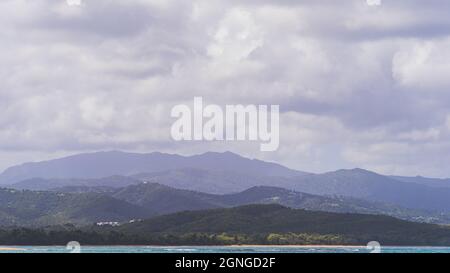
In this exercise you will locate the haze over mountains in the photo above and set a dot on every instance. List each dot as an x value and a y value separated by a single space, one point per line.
162 183
43 184
83 205
371 186
164 200
431 182
103 164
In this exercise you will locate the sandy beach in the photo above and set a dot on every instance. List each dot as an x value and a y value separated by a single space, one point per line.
11 249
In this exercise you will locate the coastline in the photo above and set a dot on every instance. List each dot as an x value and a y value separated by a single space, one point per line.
6 248
23 248
280 246
11 249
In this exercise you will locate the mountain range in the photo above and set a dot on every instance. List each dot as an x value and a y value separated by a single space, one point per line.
431 182
363 184
104 164
157 183
84 205
46 184
164 200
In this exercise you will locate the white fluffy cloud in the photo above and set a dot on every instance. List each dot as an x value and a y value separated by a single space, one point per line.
424 65
359 85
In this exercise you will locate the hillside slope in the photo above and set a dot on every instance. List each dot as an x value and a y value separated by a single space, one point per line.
363 184
164 199
270 219
31 208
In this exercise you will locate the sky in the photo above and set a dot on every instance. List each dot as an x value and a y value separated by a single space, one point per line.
360 83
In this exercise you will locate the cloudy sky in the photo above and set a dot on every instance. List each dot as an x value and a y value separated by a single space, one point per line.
358 85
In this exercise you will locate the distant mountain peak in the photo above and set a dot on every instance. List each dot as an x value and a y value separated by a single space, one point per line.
110 163
355 171
227 154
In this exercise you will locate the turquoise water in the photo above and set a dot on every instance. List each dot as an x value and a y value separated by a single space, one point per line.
217 249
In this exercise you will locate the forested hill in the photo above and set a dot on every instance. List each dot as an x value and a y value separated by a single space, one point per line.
253 224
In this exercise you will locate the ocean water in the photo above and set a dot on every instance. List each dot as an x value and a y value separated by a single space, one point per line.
217 249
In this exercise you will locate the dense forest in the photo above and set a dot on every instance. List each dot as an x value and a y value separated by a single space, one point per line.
253 224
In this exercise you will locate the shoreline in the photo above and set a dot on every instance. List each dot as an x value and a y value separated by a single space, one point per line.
11 249
159 246
22 248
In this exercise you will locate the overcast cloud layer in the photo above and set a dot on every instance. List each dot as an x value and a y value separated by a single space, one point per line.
358 85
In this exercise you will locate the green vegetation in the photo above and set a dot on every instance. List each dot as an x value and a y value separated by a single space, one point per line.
40 208
163 200
254 224
25 236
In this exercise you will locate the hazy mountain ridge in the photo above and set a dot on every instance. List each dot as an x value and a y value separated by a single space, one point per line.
228 173
208 181
431 182
104 164
363 184
42 184
356 183
86 205
164 199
